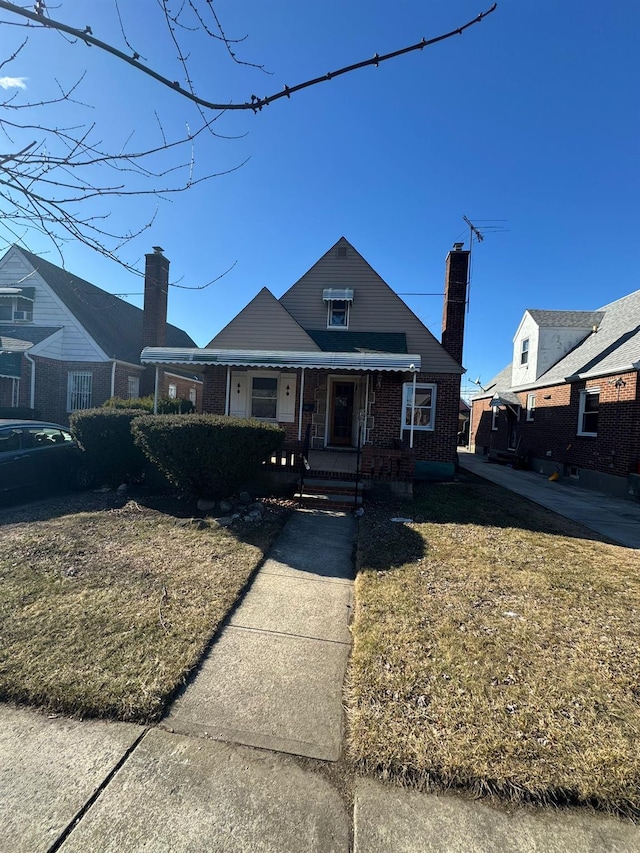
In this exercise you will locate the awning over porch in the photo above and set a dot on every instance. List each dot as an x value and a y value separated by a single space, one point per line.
399 362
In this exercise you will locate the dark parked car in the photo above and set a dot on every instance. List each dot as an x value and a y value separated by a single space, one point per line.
39 454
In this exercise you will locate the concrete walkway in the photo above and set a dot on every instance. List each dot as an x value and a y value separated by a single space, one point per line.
216 776
618 520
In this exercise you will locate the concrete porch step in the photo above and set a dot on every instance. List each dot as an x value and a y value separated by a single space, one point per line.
331 501
317 484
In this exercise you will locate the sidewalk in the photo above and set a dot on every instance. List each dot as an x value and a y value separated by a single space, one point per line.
248 758
618 520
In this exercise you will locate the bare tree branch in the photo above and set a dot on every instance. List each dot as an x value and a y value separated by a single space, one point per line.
255 103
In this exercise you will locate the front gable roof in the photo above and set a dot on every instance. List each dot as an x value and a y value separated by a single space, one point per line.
115 325
264 324
375 308
329 341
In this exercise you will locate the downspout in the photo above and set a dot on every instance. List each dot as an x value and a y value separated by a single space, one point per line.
113 379
32 397
155 393
413 407
227 404
366 411
300 406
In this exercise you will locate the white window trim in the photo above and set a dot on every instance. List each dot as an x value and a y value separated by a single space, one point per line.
172 392
494 418
15 311
133 381
407 390
334 327
531 406
581 410
524 353
262 375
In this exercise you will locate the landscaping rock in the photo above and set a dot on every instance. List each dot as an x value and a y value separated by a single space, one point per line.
256 506
223 521
244 498
205 505
122 489
226 507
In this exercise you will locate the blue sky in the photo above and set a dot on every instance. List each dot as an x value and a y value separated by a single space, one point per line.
530 121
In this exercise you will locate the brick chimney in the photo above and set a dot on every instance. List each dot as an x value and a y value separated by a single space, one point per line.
154 318
156 288
455 298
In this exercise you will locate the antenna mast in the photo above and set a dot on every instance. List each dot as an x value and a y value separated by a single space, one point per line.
479 237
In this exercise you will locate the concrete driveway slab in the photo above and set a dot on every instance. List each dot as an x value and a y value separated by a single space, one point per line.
270 690
390 818
49 768
289 605
187 795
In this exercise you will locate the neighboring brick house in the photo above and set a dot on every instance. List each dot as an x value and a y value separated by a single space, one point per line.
65 344
569 402
340 358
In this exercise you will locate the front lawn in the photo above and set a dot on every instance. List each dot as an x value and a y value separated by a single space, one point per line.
496 648
105 607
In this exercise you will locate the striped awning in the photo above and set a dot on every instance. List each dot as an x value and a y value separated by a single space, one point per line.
384 361
344 294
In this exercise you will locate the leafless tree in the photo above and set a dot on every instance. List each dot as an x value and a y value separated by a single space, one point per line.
50 171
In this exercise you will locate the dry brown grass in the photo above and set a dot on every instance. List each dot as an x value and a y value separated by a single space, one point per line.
105 608
496 648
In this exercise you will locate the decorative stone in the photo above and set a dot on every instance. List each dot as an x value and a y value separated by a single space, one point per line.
122 489
205 505
223 521
198 523
244 498
225 506
256 506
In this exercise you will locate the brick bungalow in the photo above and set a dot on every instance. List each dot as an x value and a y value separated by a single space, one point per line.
569 403
346 368
65 344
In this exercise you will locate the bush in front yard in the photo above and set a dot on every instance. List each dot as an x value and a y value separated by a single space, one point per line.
208 455
105 435
166 405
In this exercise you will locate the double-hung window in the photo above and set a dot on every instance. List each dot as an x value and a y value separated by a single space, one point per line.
264 397
588 412
495 411
133 387
531 406
338 300
524 352
79 386
423 408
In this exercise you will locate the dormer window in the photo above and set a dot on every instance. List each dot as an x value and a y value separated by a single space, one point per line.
524 352
16 304
338 301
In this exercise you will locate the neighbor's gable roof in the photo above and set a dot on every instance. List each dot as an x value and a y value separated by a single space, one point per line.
566 319
115 325
263 324
21 338
613 347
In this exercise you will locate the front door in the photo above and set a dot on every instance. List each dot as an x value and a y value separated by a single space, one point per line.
341 414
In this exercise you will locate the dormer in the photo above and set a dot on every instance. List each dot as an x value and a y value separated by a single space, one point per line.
16 304
544 337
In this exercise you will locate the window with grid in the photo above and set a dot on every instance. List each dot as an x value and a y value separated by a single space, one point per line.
79 386
524 352
173 392
133 387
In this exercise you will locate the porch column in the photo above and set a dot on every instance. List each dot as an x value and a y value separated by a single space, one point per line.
300 407
155 392
413 409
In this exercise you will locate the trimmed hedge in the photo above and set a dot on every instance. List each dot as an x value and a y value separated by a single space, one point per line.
105 435
209 455
166 405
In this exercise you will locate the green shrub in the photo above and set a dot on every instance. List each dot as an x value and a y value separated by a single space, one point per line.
166 405
208 455
105 435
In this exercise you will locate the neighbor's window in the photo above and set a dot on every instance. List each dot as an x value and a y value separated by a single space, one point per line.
524 352
338 316
264 397
588 411
133 387
531 406
79 384
16 309
173 392
193 395
494 417
424 409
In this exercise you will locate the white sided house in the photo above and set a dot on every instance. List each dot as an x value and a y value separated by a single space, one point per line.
66 344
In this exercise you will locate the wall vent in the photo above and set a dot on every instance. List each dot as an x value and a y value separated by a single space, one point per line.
341 252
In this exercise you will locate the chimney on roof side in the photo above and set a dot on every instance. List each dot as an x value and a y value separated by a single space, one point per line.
156 289
455 300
